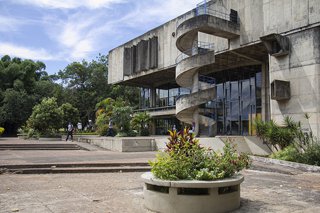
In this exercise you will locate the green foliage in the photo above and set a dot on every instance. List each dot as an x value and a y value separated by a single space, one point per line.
277 136
1 130
102 129
311 155
141 122
289 153
16 107
32 133
46 117
23 83
185 159
296 145
69 114
105 113
122 116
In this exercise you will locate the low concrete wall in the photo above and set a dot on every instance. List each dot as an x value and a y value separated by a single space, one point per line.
125 144
248 144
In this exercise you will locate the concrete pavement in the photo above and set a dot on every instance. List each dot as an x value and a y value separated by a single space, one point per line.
281 190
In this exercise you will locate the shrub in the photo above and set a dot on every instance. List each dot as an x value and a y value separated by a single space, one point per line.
184 158
311 155
1 130
102 129
141 122
46 117
69 114
289 154
296 144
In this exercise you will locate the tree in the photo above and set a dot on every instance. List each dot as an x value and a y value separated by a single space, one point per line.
69 114
141 122
15 108
122 116
23 83
46 117
86 84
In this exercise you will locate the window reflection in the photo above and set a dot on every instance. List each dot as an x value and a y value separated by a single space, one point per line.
238 100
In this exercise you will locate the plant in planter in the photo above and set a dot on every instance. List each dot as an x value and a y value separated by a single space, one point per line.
185 168
185 159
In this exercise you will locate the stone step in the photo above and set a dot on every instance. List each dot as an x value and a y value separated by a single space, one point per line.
73 165
40 147
76 170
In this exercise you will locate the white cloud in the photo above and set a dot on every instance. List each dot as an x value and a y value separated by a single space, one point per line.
74 35
25 52
70 4
157 11
8 24
84 31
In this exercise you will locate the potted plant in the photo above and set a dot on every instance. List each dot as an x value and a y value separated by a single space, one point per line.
189 178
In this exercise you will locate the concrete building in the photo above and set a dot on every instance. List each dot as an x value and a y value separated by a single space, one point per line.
225 63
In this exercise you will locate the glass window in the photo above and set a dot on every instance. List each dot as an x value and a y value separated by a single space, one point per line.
238 100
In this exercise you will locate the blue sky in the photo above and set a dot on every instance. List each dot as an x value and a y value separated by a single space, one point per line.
58 32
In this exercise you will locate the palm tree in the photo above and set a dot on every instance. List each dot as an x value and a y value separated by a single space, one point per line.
141 122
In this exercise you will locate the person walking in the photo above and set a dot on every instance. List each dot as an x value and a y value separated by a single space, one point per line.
110 129
70 131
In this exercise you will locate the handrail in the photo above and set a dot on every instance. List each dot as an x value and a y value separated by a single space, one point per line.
203 9
200 48
153 109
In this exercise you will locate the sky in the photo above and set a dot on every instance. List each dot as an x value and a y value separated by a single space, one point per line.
59 32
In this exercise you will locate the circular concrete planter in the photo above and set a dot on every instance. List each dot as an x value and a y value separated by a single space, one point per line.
189 196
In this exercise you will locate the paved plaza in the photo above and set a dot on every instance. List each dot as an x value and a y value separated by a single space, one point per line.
122 192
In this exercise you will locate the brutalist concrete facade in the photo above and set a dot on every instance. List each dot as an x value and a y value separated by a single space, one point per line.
282 37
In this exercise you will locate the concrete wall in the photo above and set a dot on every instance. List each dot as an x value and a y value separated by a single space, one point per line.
257 18
167 51
302 69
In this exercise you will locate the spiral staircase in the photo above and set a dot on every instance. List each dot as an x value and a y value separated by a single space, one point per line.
194 56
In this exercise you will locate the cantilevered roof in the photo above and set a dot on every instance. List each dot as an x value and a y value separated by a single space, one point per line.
165 78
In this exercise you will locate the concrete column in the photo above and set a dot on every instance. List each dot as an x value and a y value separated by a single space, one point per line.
195 83
195 88
196 121
265 92
153 127
153 97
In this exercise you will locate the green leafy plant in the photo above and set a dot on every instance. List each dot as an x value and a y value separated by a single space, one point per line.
295 144
46 117
184 158
141 122
1 130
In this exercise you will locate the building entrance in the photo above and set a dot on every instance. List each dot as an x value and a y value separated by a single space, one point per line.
238 101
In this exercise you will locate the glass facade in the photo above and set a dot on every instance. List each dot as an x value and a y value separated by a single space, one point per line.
163 124
164 97
238 101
